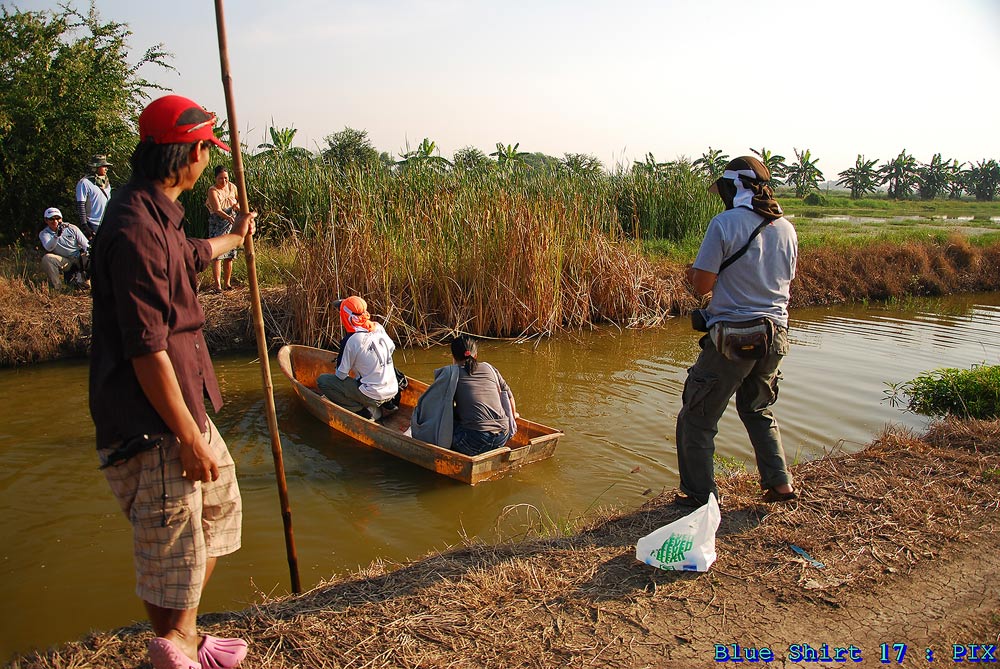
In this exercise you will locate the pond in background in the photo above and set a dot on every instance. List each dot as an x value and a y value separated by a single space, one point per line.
66 564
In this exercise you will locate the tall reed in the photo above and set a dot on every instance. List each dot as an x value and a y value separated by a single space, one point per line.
503 254
508 253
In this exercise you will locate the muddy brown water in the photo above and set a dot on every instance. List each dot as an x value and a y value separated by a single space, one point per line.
65 564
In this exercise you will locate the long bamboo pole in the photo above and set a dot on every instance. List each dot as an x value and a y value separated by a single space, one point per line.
258 315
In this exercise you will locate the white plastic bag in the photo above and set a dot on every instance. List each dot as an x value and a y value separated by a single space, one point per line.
687 544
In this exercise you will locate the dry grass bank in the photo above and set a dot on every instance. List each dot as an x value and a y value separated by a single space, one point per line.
884 270
36 324
907 531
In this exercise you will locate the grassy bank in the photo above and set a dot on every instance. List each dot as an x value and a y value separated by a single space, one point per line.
904 533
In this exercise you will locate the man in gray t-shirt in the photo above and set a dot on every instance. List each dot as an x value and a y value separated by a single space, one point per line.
748 335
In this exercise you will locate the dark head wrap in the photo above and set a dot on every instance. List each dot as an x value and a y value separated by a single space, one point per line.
744 184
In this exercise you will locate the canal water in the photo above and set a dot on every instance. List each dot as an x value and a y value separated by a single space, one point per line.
65 563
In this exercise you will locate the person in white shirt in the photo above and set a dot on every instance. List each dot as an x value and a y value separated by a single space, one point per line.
366 378
65 245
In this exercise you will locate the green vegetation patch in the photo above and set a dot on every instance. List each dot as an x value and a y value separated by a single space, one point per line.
966 393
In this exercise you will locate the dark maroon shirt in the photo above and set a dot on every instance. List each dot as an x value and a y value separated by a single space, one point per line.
144 278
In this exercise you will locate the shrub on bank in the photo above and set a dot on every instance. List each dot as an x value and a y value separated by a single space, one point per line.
964 393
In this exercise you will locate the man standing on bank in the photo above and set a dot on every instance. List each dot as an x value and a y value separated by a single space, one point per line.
747 321
150 372
92 194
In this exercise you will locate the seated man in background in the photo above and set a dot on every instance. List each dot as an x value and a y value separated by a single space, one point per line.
66 247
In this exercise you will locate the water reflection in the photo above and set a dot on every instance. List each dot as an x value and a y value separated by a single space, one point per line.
615 393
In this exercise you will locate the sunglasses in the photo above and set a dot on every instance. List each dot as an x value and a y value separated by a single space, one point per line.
55 218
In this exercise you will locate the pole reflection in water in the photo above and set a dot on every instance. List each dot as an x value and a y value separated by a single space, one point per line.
66 559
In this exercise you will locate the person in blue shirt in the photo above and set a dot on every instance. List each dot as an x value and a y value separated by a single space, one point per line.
747 338
92 194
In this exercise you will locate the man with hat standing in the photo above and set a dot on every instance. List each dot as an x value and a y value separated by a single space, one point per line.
746 261
92 194
65 247
150 373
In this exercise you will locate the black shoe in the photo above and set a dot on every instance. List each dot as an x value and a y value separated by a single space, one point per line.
688 502
772 496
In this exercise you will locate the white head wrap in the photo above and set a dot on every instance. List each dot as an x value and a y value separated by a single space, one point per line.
744 196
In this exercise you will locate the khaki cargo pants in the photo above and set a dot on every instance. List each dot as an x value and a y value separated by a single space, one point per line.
711 383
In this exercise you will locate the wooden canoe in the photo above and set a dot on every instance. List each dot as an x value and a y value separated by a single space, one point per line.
303 364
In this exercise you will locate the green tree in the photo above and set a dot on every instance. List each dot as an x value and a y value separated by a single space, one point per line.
541 162
900 174
712 163
581 164
862 179
774 163
471 159
67 91
982 180
803 174
350 147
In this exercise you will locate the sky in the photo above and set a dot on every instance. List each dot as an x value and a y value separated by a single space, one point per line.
616 79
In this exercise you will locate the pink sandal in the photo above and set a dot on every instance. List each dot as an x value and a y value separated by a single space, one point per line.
165 655
216 653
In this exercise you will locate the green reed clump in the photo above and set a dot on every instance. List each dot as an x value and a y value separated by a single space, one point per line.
966 393
499 253
287 192
674 206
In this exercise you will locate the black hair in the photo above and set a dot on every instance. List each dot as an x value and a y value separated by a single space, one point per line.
160 162
464 350
219 169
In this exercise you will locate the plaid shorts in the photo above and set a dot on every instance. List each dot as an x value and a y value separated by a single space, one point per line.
174 537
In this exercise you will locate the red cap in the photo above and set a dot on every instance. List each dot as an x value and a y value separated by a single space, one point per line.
173 119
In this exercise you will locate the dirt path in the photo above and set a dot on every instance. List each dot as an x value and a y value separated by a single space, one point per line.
952 599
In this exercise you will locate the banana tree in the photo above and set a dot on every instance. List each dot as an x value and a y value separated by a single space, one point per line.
900 174
862 179
983 180
280 145
774 163
425 155
933 178
803 174
508 157
649 165
712 163
956 180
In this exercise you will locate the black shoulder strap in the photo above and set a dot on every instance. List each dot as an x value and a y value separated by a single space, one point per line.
739 254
